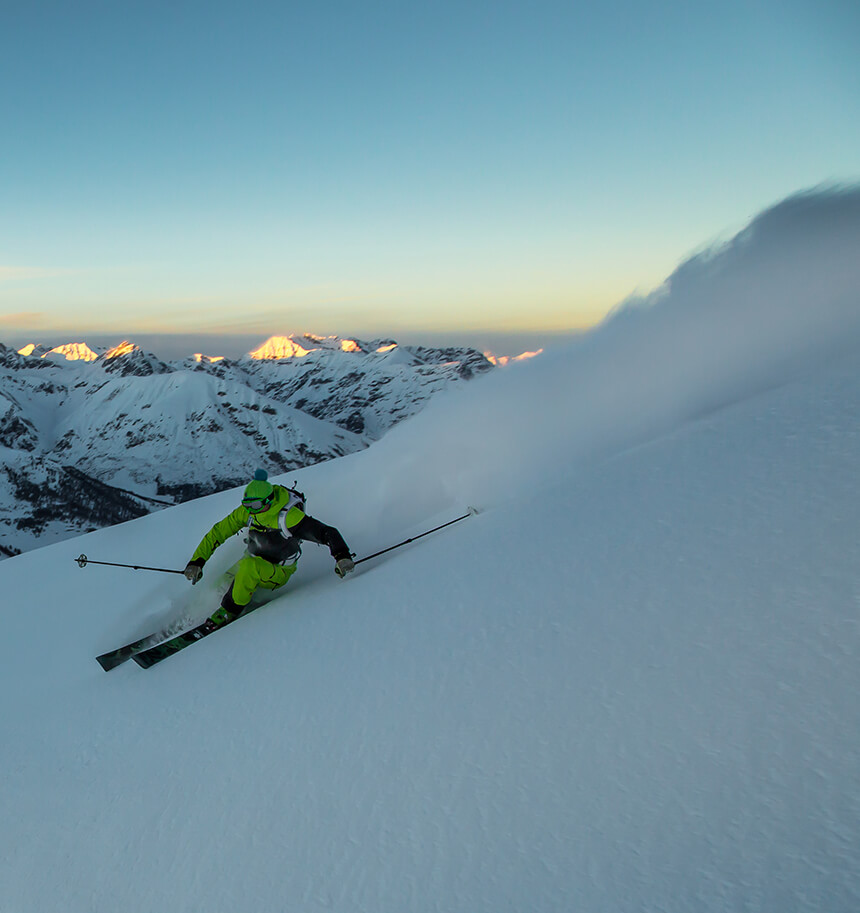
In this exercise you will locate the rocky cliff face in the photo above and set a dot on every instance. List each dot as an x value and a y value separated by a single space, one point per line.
89 438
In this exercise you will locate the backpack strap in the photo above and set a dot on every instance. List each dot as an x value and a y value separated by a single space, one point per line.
291 513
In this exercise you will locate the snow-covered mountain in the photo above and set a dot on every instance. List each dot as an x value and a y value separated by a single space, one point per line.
362 387
130 432
629 684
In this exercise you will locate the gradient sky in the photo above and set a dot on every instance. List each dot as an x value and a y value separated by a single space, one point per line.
375 168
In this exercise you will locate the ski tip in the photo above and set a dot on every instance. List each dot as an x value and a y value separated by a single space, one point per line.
109 661
473 510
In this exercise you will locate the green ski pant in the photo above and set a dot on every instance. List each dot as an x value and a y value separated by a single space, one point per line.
255 572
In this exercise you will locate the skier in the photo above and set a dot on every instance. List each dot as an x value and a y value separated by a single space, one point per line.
276 521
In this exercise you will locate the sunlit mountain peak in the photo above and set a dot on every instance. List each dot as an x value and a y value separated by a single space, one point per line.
210 359
280 347
124 348
73 351
502 360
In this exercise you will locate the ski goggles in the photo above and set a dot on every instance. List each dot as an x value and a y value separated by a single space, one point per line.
257 505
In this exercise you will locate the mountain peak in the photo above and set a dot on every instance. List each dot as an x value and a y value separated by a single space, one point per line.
124 348
298 346
280 347
73 351
128 359
209 359
34 348
502 360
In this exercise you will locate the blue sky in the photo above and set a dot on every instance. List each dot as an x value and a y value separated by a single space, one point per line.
396 168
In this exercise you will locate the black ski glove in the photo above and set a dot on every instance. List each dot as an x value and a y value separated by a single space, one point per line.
344 566
194 571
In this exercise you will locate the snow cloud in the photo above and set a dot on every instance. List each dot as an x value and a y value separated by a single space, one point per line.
772 302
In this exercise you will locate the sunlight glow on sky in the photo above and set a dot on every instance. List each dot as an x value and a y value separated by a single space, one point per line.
381 168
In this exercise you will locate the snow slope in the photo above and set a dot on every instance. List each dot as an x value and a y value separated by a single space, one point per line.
629 684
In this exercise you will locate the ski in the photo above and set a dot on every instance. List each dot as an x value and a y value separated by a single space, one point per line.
149 657
114 658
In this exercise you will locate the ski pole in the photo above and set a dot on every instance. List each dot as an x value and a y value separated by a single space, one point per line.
471 512
83 561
